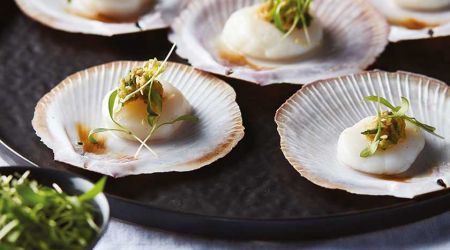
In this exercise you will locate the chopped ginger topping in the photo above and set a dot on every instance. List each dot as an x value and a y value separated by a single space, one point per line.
392 130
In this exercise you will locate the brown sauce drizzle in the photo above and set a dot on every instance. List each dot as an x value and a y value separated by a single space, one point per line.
236 59
397 178
105 19
406 176
102 18
89 147
232 57
412 23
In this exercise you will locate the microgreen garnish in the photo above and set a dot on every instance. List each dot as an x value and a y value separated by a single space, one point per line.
397 115
33 216
160 67
400 111
380 100
111 103
154 102
190 118
96 189
288 15
373 145
141 83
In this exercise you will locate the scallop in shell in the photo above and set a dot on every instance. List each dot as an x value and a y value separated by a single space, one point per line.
72 17
65 115
197 29
413 19
310 123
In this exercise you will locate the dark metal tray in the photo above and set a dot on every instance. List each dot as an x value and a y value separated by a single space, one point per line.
253 193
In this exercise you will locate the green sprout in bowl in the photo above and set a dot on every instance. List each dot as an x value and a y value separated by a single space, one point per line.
33 216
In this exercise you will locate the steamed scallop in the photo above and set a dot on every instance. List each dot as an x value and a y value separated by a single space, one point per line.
74 119
289 41
103 17
420 5
415 19
320 130
133 115
113 9
394 160
247 33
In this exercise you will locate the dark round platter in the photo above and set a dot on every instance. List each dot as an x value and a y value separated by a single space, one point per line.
253 193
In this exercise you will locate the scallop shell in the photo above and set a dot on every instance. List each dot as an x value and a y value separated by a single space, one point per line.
196 29
438 21
53 13
78 100
310 122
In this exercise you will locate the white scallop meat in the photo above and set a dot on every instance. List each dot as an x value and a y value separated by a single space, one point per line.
198 28
311 121
65 115
415 19
88 17
395 160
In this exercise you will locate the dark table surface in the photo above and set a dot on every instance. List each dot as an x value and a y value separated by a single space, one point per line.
253 181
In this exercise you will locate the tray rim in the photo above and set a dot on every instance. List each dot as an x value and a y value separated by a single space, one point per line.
262 229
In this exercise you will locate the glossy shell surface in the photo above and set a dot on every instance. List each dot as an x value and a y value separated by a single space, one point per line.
197 29
311 121
65 115
56 14
413 24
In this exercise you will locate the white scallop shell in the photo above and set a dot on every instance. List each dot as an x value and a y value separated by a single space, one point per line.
310 122
439 19
53 13
78 99
355 34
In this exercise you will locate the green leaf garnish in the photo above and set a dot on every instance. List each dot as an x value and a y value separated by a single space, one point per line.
403 107
373 145
33 216
94 191
29 195
278 21
370 131
111 103
370 150
287 15
154 72
190 118
397 112
380 100
154 102
427 128
141 82
155 127
92 133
